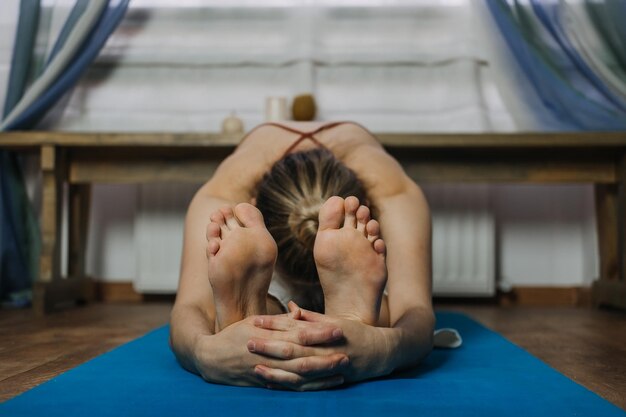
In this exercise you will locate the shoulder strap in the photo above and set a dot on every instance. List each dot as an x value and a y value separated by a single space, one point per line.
303 135
309 135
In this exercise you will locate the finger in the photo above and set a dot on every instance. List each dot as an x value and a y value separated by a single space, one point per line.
283 322
279 349
294 315
312 316
315 385
277 378
278 322
317 366
305 334
294 310
276 348
312 335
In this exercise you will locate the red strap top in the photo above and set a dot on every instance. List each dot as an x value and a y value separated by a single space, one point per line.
303 135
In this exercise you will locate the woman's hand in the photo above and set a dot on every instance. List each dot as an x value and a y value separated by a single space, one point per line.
229 357
367 347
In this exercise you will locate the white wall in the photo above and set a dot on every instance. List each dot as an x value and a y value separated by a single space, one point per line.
111 250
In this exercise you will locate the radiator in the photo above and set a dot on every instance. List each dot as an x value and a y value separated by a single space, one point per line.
463 238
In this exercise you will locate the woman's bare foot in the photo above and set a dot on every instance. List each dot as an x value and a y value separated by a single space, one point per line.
241 254
350 259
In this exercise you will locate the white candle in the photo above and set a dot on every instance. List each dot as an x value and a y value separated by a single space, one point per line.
276 109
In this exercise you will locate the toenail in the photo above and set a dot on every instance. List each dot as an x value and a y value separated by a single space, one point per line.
252 346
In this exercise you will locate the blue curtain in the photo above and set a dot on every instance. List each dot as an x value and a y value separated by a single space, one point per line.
17 248
19 234
568 85
107 23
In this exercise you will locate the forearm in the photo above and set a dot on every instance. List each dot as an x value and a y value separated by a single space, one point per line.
410 339
193 341
188 323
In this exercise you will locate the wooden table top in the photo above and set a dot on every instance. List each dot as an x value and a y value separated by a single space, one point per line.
34 139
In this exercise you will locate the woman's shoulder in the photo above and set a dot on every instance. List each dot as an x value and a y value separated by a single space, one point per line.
352 133
381 174
238 173
348 141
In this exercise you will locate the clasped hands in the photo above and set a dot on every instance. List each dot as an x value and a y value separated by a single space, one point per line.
301 351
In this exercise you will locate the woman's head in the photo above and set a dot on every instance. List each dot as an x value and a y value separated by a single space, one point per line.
290 196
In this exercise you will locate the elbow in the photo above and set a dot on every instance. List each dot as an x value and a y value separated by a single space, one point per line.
181 343
173 337
418 328
424 344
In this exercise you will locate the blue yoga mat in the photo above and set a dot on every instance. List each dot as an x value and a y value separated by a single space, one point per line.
487 376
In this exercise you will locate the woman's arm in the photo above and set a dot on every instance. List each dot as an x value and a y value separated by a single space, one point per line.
405 224
193 314
406 229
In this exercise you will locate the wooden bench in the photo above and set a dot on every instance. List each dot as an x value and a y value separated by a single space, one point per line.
81 159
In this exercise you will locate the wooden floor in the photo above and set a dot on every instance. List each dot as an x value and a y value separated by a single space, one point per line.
587 345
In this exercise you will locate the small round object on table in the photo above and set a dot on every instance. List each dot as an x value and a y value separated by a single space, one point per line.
303 108
232 125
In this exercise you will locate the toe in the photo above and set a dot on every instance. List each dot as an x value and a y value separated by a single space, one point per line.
249 215
331 213
218 218
373 230
212 230
229 216
351 206
362 217
213 246
379 246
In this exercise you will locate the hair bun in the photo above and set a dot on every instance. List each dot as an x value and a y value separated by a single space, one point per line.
303 221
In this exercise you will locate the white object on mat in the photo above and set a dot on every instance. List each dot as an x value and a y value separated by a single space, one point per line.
447 338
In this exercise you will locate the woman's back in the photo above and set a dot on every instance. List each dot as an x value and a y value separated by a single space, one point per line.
352 144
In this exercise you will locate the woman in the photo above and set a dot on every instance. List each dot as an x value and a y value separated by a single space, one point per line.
288 216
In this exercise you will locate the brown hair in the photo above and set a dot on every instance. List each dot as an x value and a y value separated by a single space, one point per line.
290 196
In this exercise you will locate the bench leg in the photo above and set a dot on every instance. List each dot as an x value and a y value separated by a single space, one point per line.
610 288
50 290
52 200
79 204
79 196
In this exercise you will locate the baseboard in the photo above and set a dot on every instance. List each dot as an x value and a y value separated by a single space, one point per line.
123 292
116 292
547 296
